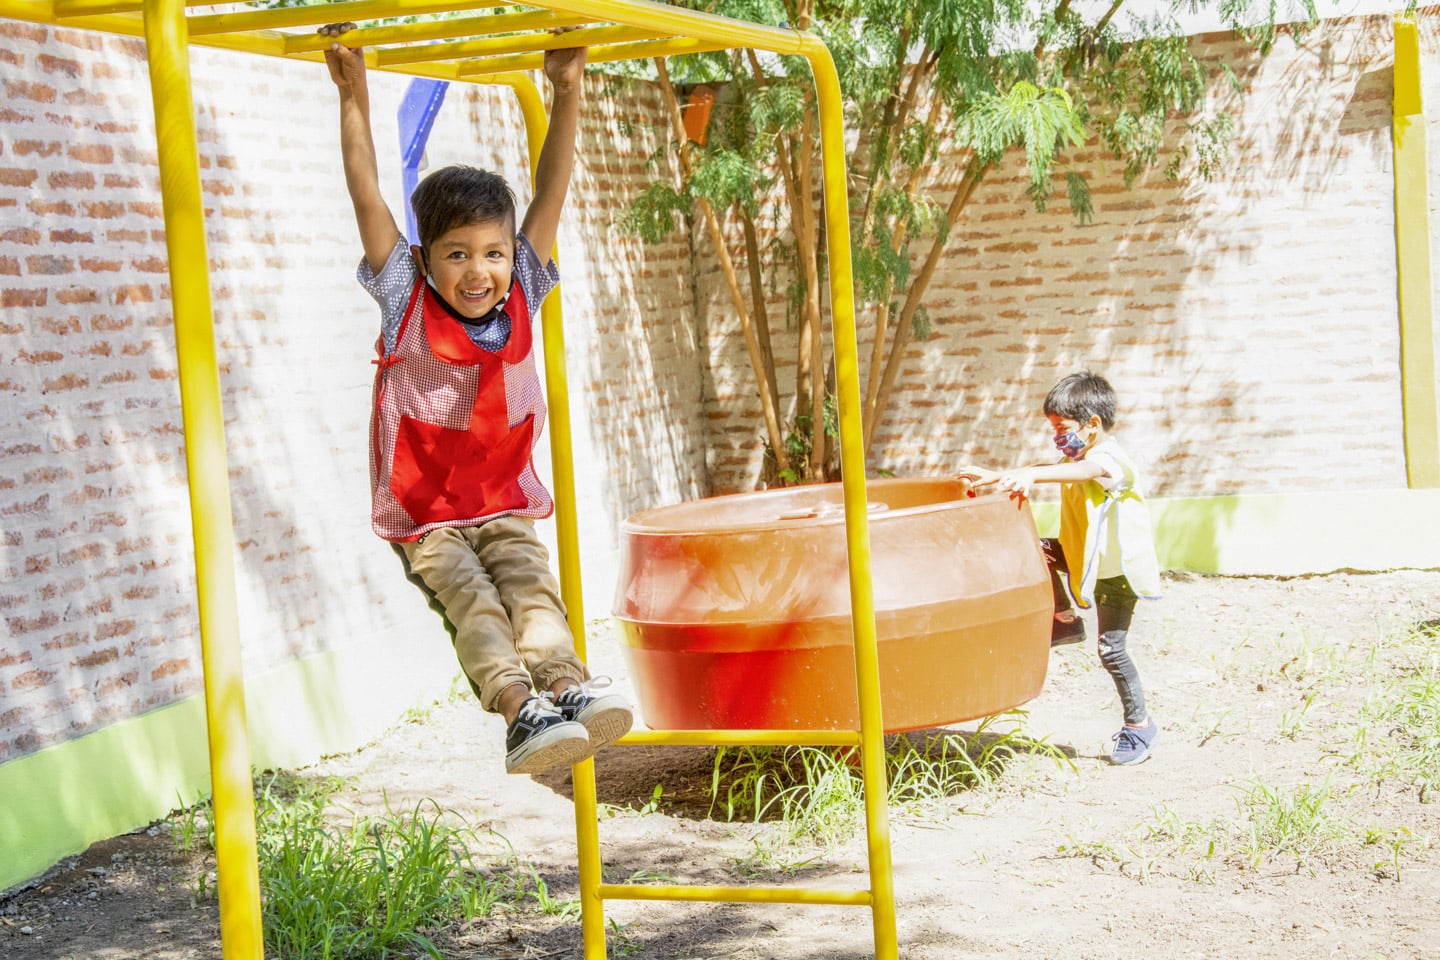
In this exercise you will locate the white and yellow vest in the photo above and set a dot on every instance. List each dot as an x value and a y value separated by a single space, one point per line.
1086 512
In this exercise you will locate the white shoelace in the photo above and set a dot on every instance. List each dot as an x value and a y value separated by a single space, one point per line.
588 688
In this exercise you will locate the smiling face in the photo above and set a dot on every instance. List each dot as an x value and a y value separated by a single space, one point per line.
471 266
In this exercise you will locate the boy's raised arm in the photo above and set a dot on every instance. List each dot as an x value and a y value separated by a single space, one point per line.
566 70
378 231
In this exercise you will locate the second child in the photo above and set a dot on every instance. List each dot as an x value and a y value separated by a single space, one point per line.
1105 554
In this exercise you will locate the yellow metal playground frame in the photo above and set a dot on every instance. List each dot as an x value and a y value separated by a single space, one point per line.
487 48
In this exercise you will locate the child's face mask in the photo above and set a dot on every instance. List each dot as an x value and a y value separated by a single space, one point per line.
1071 444
1071 436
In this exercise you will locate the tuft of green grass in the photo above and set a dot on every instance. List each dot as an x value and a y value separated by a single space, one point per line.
373 889
1405 717
1300 822
818 792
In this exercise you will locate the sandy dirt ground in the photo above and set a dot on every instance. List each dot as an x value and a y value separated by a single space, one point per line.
1260 686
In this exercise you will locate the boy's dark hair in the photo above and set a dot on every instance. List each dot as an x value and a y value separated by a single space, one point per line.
1081 396
457 196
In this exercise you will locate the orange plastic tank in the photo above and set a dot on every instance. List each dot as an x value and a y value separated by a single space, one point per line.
736 609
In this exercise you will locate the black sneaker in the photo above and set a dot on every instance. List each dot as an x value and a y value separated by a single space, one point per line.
540 738
1066 631
606 716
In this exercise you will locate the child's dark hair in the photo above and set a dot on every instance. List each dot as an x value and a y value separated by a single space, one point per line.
1081 396
457 196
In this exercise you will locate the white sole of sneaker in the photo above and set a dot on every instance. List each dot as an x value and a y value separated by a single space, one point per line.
533 757
606 723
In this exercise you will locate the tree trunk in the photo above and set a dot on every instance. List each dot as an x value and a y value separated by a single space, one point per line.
717 239
904 324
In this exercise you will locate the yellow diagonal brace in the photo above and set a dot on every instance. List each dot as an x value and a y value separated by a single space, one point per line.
1412 263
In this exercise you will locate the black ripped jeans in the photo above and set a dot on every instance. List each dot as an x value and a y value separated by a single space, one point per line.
1114 607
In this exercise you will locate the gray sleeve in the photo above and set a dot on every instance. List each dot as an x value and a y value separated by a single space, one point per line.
390 288
536 281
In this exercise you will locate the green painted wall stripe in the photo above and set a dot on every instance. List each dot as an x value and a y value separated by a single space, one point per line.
1290 534
58 801
1412 263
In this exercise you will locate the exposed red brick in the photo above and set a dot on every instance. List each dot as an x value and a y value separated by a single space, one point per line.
71 236
18 177
134 293
23 625
22 298
107 519
116 628
77 295
21 90
58 325
48 265
47 474
92 153
103 209
36 148
81 39
170 668
64 641
70 381
32 679
131 545
53 64
72 180
9 267
14 30
95 265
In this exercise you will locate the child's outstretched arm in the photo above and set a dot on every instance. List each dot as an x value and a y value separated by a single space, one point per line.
378 231
566 70
1018 480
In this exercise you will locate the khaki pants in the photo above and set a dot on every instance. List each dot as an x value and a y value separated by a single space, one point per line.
495 585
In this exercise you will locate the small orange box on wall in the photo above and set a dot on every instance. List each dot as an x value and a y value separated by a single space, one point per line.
697 113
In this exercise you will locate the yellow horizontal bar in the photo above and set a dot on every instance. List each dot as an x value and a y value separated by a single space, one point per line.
514 46
684 22
130 25
77 8
647 891
605 54
495 23
723 738
327 13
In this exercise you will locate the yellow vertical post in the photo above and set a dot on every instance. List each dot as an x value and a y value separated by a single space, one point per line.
567 541
1412 264
208 478
857 525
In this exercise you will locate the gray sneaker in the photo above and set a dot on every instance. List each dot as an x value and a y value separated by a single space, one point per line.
606 716
540 738
1133 745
